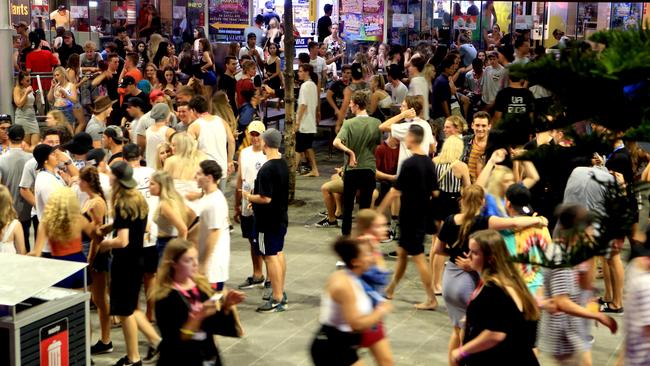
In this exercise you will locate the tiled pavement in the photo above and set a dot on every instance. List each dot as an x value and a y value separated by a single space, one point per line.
417 338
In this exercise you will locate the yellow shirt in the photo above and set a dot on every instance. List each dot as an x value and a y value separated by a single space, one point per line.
61 20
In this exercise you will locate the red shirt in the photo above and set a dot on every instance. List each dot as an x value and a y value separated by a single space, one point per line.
41 61
243 84
387 158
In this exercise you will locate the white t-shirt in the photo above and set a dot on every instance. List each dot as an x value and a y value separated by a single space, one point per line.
251 162
419 86
308 96
244 51
142 176
215 216
46 183
139 125
319 65
399 131
398 93
213 141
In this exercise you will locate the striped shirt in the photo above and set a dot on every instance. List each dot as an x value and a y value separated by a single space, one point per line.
447 181
472 163
559 334
637 316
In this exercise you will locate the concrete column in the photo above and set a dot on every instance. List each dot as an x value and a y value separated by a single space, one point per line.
6 61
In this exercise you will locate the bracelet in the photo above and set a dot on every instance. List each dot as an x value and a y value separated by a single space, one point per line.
462 353
188 332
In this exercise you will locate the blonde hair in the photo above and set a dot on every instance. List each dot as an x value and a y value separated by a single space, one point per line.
452 150
174 250
365 218
168 193
429 73
379 81
494 186
154 42
162 146
186 158
62 214
471 203
129 201
7 212
90 45
221 108
61 70
458 122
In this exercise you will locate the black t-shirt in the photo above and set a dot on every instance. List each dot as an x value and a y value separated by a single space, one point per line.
494 310
228 85
450 231
272 181
132 252
441 93
65 51
337 88
323 26
416 181
620 161
142 96
514 101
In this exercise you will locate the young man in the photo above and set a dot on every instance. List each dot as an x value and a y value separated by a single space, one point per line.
248 112
5 123
103 107
112 140
246 82
254 51
135 109
419 86
185 117
318 63
257 31
442 91
396 87
11 170
324 24
109 80
416 185
475 145
358 139
140 128
157 133
335 92
228 83
251 159
473 80
306 119
522 51
493 80
357 83
514 100
214 233
387 156
213 135
130 90
270 200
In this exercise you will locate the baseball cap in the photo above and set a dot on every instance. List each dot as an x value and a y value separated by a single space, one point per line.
130 152
41 153
5 118
124 174
126 81
115 132
256 126
272 138
16 133
155 94
95 156
159 112
519 197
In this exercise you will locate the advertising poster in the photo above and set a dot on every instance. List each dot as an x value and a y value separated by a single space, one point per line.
352 6
78 12
363 20
179 12
40 11
53 344
228 14
119 11
465 22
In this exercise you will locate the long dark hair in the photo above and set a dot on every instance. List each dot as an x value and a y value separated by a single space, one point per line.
90 175
143 54
160 53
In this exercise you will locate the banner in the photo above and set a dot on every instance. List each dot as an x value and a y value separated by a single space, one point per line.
78 12
363 20
228 14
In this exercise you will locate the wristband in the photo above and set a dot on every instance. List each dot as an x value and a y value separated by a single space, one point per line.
462 353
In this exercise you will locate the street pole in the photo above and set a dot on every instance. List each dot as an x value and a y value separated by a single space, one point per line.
6 61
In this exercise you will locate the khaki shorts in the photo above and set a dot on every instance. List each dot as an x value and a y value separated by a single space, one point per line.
335 185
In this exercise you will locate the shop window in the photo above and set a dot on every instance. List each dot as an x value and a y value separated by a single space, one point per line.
626 15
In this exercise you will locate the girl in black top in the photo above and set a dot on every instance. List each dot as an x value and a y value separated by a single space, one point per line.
502 315
273 77
187 316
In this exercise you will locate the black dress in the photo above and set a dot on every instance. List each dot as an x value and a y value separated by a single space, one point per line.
275 82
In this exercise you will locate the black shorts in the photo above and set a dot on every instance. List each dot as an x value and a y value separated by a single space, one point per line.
150 259
271 242
412 235
248 227
126 280
333 347
304 141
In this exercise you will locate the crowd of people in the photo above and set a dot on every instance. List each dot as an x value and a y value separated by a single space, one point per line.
130 172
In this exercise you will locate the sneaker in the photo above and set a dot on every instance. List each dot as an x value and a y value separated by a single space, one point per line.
272 306
100 347
325 223
124 361
323 213
152 356
389 238
251 282
285 299
268 291
392 254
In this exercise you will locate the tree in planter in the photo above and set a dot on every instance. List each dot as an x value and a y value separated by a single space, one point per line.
289 98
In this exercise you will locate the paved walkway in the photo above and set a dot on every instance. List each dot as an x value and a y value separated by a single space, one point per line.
416 337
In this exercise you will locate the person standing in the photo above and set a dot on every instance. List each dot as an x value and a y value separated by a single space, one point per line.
214 232
25 115
270 200
103 107
358 139
228 83
306 118
61 17
418 85
415 186
475 144
158 133
637 303
324 25
335 92
251 159
256 30
441 108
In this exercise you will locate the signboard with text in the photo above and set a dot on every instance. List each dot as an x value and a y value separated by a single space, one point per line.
230 14
54 344
363 20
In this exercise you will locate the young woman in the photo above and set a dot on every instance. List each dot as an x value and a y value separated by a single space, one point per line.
273 72
207 67
454 126
346 309
143 55
501 322
12 239
25 115
221 107
63 227
164 152
188 316
161 52
56 118
63 94
95 210
169 59
380 100
74 75
172 217
183 165
459 280
169 84
151 75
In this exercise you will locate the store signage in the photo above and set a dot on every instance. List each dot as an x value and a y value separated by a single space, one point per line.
228 14
20 9
227 35
53 345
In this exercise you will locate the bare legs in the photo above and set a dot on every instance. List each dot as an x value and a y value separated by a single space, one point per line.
616 275
98 289
257 261
130 331
149 279
311 157
382 353
276 268
425 275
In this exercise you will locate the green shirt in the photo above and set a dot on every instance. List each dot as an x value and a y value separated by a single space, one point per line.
361 134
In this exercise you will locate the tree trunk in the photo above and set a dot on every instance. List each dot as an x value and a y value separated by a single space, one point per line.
289 98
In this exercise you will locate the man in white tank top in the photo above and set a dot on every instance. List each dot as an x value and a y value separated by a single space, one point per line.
213 134
157 134
251 160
